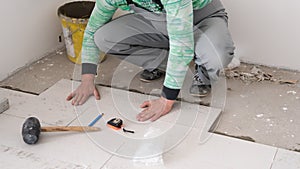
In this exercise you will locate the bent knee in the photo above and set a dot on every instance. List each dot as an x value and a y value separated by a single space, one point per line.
101 40
219 61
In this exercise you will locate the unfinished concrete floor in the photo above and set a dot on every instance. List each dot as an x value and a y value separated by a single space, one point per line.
266 112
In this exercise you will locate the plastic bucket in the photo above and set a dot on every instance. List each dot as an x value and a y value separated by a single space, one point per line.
74 18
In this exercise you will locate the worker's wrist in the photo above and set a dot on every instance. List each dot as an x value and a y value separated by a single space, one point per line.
87 78
170 94
167 101
88 68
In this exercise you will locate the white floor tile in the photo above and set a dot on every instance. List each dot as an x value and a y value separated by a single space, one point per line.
50 109
223 152
154 138
12 158
286 160
220 152
19 102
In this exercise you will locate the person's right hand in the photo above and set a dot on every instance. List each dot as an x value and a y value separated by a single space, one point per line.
84 91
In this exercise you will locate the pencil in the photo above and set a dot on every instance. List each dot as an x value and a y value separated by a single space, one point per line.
96 119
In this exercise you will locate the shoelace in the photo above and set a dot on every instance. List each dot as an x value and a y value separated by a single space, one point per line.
201 76
197 79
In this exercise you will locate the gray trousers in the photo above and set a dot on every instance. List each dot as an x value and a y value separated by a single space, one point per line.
142 39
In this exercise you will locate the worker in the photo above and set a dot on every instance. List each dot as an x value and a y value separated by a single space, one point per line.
155 32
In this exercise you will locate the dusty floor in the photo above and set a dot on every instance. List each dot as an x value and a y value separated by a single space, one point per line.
266 112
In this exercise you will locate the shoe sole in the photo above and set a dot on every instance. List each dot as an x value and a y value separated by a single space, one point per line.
199 95
146 81
149 81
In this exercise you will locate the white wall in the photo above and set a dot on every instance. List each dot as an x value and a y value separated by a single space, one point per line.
29 29
266 31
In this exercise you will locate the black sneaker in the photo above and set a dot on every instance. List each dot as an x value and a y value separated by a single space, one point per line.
148 76
201 85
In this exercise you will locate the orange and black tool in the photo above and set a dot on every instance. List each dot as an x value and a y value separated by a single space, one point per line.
117 124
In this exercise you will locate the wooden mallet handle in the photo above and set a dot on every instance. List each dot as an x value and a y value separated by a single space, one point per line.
69 128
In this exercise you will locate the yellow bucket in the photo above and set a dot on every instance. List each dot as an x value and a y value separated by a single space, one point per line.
74 18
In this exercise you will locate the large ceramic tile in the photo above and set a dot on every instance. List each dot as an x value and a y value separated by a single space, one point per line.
219 152
16 98
157 136
50 108
12 158
161 134
21 104
53 150
286 160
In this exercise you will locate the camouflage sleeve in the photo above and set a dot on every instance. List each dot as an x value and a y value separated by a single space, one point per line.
102 13
180 31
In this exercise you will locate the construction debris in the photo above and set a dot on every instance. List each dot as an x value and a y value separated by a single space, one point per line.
291 92
255 75
288 81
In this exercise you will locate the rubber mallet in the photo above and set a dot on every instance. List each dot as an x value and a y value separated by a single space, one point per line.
32 128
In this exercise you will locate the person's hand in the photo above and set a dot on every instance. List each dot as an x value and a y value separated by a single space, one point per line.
154 109
84 91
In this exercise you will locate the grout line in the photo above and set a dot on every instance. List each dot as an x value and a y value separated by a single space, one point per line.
77 117
111 156
148 94
69 123
245 138
19 90
274 158
24 118
12 115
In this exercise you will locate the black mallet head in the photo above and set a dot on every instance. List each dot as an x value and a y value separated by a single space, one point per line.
31 130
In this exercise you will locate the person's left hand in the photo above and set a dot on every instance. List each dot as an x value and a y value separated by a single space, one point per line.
154 109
